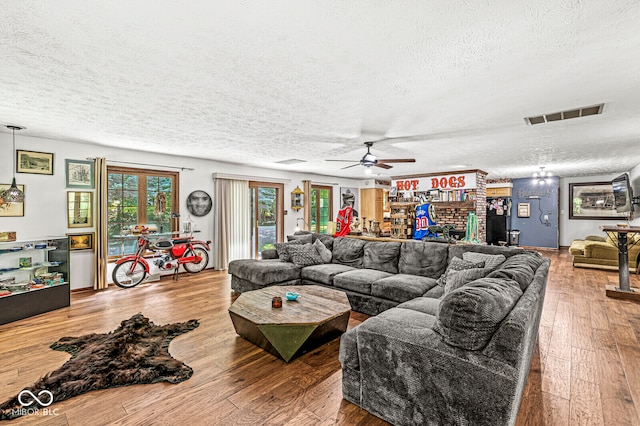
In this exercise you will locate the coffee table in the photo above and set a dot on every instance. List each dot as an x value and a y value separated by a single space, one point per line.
318 316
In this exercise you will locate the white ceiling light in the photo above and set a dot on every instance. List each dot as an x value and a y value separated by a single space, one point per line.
541 177
367 170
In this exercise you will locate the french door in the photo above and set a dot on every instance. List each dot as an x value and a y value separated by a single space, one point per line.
266 203
321 208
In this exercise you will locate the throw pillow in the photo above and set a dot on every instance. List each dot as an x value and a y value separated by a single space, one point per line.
460 278
304 238
520 268
491 261
304 255
323 251
469 316
281 249
456 265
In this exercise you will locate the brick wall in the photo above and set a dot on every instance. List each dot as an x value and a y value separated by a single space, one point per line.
452 216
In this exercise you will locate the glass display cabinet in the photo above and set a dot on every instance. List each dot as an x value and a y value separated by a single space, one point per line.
34 277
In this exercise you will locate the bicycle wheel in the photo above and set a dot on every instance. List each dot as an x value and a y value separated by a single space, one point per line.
197 267
128 274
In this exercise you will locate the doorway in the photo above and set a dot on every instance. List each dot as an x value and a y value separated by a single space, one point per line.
321 208
266 203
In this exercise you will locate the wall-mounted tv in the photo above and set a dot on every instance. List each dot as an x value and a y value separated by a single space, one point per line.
622 194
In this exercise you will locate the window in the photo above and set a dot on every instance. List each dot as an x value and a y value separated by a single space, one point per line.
139 197
321 208
266 200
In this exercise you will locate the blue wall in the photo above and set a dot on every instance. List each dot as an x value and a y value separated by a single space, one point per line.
535 231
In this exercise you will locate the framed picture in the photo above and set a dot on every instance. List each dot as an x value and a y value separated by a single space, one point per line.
11 209
82 241
523 209
39 163
592 200
79 174
79 209
199 203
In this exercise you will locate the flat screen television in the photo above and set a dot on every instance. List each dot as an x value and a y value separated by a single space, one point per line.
622 194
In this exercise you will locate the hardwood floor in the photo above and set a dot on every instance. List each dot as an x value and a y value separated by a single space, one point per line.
586 367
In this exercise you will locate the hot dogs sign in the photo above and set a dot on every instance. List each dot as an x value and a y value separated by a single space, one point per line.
443 183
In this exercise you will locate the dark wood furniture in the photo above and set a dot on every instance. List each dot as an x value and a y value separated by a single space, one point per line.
318 316
624 291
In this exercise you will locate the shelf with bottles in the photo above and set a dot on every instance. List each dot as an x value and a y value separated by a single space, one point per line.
402 216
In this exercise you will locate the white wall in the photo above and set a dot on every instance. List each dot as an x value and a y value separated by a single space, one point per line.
571 229
45 195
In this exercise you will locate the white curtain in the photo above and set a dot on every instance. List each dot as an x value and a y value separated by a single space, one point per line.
232 221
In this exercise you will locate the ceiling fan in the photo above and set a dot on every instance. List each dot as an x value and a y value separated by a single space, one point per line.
371 160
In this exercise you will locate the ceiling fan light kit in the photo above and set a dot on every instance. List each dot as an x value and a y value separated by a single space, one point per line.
369 160
541 177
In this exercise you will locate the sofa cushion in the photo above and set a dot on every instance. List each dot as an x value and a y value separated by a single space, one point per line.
458 250
324 273
469 316
304 238
382 256
281 249
422 258
457 264
348 251
427 305
436 292
264 272
490 260
323 251
519 268
359 280
327 240
304 255
402 287
406 318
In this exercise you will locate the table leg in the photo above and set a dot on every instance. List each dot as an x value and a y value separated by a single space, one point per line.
623 262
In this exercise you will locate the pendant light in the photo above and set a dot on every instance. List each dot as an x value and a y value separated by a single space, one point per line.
13 194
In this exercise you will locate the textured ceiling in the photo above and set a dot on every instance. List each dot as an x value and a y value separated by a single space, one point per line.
257 83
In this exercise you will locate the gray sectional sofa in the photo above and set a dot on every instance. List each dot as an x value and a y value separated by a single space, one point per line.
453 327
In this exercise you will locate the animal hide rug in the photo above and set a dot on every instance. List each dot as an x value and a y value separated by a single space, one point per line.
137 352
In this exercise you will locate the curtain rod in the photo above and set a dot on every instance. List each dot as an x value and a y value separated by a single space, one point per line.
324 183
145 164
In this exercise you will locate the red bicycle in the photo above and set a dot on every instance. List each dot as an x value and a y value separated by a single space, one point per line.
192 254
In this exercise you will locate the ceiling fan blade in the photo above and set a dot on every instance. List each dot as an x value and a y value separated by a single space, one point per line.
348 167
382 165
398 160
345 161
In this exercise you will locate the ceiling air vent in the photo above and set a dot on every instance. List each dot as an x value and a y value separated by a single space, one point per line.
565 115
291 161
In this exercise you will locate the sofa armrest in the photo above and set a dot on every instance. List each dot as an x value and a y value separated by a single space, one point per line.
269 254
409 375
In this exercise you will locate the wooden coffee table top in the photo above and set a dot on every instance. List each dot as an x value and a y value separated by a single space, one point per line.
314 305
